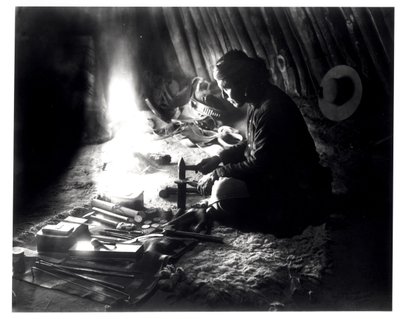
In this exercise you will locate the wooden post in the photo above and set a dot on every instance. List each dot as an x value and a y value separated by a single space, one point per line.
374 48
219 29
267 43
211 32
168 61
388 20
354 33
310 14
308 44
240 30
336 25
330 43
290 66
194 46
230 32
383 34
179 41
207 43
259 49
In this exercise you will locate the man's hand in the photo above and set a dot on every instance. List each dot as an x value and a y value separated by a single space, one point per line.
209 164
205 183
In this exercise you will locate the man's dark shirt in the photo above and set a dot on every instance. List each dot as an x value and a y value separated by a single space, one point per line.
278 150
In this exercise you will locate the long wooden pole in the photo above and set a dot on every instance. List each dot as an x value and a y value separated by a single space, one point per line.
230 32
297 54
240 30
178 40
336 26
384 33
218 49
286 64
363 64
375 51
267 43
308 43
219 29
206 41
321 24
321 40
245 13
193 41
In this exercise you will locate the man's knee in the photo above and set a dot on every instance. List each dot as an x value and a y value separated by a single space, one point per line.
228 197
227 188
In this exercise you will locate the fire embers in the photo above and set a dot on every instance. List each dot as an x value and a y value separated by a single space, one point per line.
170 277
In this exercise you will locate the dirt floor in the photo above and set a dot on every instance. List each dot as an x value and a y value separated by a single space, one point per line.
359 278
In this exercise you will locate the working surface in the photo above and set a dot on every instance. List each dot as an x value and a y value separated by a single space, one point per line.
252 271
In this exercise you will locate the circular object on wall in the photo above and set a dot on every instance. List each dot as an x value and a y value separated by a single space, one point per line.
340 93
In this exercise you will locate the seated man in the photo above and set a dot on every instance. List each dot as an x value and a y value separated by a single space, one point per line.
272 181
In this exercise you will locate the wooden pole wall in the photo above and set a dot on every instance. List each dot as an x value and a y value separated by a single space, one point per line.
299 45
292 55
178 38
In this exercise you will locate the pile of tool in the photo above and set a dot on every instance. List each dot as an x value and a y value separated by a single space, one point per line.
99 251
123 218
83 257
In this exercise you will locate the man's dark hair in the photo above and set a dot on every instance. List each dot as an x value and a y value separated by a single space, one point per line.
236 67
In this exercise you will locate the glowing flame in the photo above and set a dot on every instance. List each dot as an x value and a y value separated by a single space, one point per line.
130 135
121 99
124 174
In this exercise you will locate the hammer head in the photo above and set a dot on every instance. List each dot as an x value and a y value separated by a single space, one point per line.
181 169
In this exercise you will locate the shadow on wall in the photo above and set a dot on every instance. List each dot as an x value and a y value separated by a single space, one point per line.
53 83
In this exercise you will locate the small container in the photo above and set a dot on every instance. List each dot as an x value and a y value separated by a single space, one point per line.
18 260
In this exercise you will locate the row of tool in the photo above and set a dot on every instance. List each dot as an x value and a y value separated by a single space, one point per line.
103 285
123 218
158 223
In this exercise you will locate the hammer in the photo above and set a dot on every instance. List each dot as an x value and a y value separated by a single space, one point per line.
182 168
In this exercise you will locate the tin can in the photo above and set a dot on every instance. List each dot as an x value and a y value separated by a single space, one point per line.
18 260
